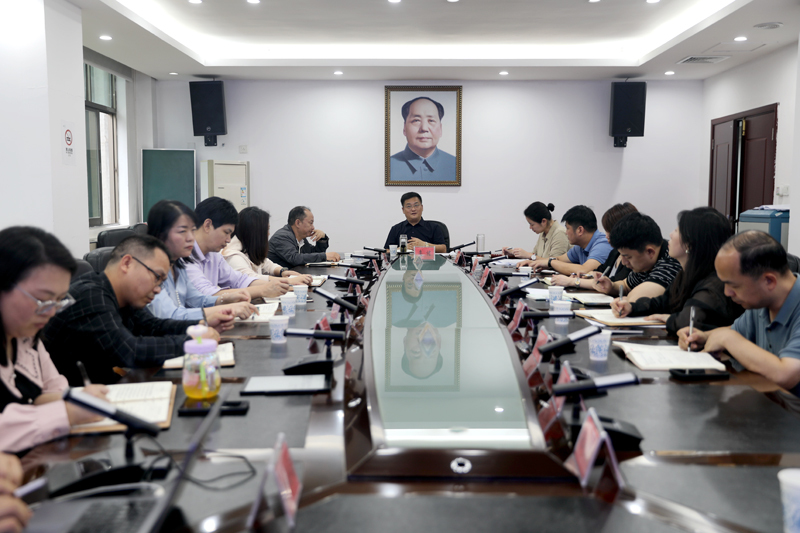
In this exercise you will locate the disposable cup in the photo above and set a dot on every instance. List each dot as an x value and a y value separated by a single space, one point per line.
526 270
598 346
790 495
288 303
555 293
277 328
392 250
561 305
301 291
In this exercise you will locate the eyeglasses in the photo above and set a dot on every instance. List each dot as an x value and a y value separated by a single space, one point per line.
413 206
42 308
159 278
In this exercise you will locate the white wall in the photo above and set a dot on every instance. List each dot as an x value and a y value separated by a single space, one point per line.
321 144
41 46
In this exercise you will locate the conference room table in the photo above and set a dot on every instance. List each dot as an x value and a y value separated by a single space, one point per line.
707 462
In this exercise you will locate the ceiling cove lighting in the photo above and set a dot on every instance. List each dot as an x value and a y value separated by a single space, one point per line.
669 73
740 39
105 37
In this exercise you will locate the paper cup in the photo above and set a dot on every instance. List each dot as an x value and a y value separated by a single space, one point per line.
288 302
555 293
790 495
526 270
393 250
598 346
277 328
301 291
561 305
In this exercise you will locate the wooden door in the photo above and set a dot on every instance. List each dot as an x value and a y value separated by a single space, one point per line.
724 151
758 160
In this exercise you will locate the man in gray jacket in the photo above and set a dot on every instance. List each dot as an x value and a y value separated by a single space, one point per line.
298 243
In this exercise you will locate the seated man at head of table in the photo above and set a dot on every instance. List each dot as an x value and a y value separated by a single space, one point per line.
638 239
766 339
108 325
209 272
589 250
418 230
298 242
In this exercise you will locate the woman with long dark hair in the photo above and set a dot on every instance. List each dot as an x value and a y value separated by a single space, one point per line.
35 272
700 234
552 235
173 223
247 251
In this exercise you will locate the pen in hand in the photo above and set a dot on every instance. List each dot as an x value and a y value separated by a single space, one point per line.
84 375
691 329
621 300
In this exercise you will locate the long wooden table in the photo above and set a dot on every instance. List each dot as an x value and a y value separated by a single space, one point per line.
709 455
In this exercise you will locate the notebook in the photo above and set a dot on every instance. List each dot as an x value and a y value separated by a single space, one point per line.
609 318
587 298
152 401
265 312
661 357
224 351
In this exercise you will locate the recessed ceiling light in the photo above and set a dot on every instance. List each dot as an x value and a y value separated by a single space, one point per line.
452 1
338 73
394 1
503 73
105 37
669 73
195 1
498 409
173 73
653 1
253 1
593 1
740 38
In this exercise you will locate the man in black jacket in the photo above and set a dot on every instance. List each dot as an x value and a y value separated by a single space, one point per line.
108 325
298 242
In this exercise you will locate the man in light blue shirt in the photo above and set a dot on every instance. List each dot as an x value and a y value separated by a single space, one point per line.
753 267
590 247
421 160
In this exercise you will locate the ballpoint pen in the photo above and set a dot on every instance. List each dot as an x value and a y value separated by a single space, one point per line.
621 299
84 375
691 328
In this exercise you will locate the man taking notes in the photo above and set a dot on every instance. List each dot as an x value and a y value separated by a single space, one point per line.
209 272
638 239
418 231
766 338
589 249
298 242
108 325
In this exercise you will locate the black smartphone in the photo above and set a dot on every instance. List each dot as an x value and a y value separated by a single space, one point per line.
698 374
192 407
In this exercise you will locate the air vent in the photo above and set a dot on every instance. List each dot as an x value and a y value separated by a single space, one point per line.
769 25
703 59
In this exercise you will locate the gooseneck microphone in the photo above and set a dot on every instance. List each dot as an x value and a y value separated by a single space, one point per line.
104 408
336 299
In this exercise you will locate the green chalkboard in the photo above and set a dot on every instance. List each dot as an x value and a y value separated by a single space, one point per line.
167 175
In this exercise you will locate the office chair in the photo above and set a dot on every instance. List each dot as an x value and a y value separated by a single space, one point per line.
139 229
794 263
83 268
112 237
444 231
98 258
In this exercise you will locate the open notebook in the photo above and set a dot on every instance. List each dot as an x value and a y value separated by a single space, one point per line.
609 318
152 401
224 351
265 312
661 357
588 298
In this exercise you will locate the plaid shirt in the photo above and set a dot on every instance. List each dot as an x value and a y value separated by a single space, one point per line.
97 332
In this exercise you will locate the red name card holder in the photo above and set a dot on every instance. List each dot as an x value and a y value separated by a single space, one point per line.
521 308
496 295
531 366
376 267
289 485
427 253
553 428
485 278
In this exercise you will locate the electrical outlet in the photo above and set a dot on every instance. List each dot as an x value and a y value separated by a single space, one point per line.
242 148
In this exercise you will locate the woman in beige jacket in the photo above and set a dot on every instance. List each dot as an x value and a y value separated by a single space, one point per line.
552 236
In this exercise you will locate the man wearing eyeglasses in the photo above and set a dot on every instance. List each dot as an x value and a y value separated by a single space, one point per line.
418 231
108 327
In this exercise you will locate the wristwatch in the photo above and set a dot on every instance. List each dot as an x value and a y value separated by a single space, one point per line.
283 269
550 263
578 281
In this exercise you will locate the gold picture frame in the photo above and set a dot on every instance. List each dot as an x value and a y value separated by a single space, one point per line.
404 165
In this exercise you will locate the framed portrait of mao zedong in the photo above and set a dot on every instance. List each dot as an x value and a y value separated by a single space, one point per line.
423 135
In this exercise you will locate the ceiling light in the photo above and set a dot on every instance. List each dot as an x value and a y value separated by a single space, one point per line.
498 409
593 1
253 1
173 73
740 39
669 73
653 1
105 37
195 1
394 1
452 1
338 73
503 73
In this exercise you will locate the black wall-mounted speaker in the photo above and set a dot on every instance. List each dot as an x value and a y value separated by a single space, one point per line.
208 108
627 109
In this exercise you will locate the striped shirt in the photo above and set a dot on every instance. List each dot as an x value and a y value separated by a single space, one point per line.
662 273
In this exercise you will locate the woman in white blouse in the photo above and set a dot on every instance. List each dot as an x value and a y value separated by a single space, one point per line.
247 251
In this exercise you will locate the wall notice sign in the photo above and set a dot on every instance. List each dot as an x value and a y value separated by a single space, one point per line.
67 143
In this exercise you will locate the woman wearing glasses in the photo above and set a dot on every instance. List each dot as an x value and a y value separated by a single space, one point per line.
35 272
174 224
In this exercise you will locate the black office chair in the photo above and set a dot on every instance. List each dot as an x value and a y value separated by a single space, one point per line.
140 228
794 263
444 231
83 268
112 237
98 258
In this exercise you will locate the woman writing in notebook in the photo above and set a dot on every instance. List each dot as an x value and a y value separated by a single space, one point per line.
694 243
247 251
35 272
174 224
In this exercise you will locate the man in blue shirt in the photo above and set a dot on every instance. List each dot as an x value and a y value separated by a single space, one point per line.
418 231
766 339
422 160
589 250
